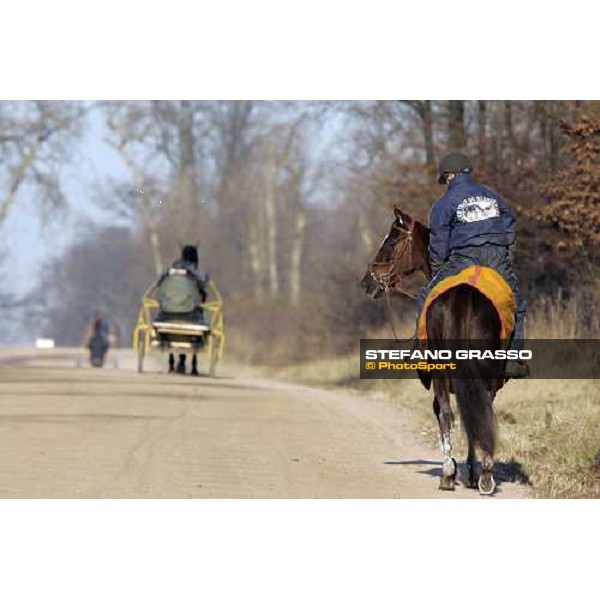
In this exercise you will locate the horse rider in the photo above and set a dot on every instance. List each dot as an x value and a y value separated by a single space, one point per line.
100 334
99 326
471 224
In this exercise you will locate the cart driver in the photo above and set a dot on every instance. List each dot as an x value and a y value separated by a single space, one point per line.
182 288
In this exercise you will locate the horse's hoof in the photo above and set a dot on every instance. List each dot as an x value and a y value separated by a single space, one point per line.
195 373
486 484
447 483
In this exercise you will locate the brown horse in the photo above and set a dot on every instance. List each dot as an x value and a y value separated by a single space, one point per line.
461 313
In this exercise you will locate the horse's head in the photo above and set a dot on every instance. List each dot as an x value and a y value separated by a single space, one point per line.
403 252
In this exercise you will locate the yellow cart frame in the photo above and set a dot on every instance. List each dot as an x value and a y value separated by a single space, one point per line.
145 333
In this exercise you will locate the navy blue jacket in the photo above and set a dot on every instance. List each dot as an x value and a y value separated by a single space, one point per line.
468 214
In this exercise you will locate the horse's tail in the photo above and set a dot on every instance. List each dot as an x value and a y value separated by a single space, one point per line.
475 407
472 395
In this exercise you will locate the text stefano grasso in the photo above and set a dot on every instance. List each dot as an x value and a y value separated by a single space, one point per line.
497 354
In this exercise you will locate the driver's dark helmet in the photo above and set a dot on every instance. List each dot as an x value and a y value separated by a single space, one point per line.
453 163
190 255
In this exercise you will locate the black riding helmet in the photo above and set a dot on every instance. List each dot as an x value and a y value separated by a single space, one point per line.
453 163
190 254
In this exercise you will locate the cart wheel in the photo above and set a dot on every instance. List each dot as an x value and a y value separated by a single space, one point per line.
141 349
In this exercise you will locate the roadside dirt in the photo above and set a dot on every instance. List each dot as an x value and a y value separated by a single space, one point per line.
70 432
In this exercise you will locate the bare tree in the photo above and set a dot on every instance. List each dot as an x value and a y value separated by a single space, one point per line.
481 132
424 110
457 137
271 175
299 222
34 140
130 125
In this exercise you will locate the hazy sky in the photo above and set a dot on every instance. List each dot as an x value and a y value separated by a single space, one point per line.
24 239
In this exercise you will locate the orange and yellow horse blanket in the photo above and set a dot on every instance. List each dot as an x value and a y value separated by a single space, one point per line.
490 283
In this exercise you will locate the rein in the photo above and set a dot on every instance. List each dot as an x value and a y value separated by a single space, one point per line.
387 281
388 310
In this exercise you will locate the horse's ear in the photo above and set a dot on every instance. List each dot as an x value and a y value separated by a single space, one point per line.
399 215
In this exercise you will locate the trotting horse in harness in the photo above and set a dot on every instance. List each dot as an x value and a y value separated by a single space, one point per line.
460 313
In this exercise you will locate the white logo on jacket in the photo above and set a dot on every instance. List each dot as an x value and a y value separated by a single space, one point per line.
477 208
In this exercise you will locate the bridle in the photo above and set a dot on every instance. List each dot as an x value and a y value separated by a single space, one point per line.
391 279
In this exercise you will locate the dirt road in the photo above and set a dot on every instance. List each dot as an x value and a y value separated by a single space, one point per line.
71 432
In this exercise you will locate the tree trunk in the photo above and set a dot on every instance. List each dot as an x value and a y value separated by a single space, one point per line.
149 221
271 223
234 132
188 180
143 199
509 132
541 116
156 253
256 261
553 137
145 210
425 111
298 229
427 118
481 125
456 125
497 143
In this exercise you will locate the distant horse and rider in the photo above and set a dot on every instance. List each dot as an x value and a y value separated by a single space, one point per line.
471 296
100 335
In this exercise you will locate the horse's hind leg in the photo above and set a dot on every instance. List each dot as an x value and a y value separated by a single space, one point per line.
471 479
486 483
195 365
171 363
443 412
